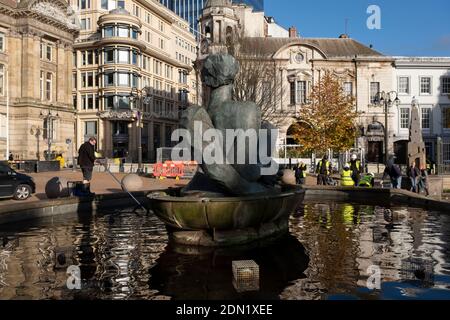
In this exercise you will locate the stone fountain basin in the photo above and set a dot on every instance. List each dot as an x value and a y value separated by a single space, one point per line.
222 214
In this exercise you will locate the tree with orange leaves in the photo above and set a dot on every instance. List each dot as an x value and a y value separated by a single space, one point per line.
328 120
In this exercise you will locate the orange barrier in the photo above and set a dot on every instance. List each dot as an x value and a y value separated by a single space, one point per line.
169 169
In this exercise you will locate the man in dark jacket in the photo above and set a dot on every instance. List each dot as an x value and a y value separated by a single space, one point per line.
86 160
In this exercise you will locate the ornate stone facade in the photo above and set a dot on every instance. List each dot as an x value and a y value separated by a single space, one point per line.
36 43
124 48
298 64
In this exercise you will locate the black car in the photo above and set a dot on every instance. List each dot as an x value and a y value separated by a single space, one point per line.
15 185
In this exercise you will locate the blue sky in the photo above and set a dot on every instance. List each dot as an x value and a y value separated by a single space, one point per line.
409 28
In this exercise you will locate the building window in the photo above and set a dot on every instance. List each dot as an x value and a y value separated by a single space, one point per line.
85 24
109 79
134 33
301 92
298 92
46 86
404 118
182 76
124 56
46 51
446 85
123 79
425 85
426 118
446 118
2 80
90 129
50 129
123 31
136 10
88 57
403 85
161 44
88 79
109 102
109 55
348 88
87 102
2 42
84 4
124 101
292 91
161 26
113 4
374 90
109 31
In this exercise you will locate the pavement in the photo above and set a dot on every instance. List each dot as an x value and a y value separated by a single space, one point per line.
102 183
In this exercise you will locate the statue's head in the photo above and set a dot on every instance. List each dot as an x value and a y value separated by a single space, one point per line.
219 70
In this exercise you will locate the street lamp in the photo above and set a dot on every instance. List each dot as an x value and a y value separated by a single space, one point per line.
385 99
36 132
139 99
48 118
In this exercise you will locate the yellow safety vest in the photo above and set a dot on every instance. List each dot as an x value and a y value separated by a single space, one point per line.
346 178
319 167
303 171
366 181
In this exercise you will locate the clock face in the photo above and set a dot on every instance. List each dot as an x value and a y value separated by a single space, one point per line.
299 58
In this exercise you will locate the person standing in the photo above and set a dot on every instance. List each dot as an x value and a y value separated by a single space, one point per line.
346 177
323 171
393 171
300 173
423 181
414 175
86 160
355 166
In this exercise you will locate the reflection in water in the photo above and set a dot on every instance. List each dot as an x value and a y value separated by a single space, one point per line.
345 241
209 276
328 256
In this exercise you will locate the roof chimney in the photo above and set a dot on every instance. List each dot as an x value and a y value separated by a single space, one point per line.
293 32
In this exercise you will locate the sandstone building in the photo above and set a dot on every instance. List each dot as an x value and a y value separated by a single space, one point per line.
36 44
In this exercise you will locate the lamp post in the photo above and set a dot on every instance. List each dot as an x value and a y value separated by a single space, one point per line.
36 132
49 117
139 99
384 99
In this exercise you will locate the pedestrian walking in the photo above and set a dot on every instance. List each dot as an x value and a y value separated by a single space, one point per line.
414 175
395 174
423 181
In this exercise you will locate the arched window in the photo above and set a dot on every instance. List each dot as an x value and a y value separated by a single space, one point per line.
208 32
